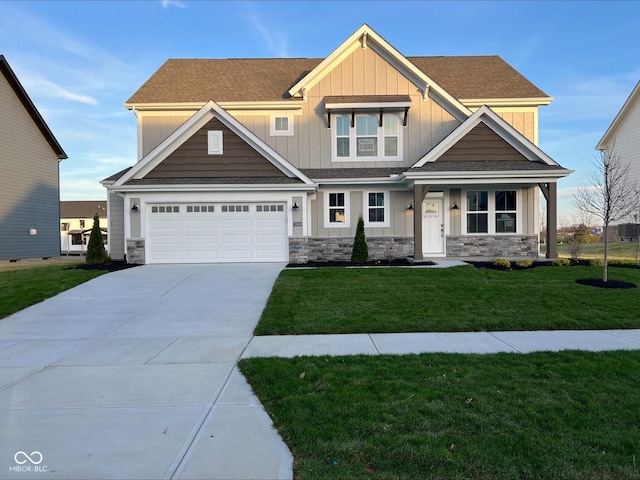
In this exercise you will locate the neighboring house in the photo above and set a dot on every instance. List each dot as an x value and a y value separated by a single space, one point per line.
29 175
623 138
76 222
275 159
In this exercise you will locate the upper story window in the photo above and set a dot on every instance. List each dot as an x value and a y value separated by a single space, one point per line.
281 126
372 137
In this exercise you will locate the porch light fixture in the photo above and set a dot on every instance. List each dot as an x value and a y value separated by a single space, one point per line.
455 206
410 207
295 206
135 207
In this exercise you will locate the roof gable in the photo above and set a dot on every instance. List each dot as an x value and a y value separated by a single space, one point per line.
366 37
183 133
499 127
21 93
632 102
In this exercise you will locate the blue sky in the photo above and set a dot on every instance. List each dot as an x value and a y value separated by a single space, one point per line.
80 61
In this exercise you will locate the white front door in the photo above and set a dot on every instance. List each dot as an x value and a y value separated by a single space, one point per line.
433 226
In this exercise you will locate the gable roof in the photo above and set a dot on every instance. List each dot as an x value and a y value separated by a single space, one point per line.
279 79
210 110
629 104
21 93
533 162
83 208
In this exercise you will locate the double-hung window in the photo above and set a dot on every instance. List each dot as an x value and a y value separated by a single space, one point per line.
505 202
477 212
376 207
371 138
336 207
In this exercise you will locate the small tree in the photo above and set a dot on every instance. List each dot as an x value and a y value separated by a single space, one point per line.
96 254
609 197
360 252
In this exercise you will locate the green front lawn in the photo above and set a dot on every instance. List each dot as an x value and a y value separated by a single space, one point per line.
568 415
361 300
21 288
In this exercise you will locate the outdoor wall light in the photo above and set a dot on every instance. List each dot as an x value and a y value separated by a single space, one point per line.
295 206
410 207
455 206
135 207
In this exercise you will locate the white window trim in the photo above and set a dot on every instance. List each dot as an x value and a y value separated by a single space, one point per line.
491 212
214 142
347 216
281 133
352 140
365 209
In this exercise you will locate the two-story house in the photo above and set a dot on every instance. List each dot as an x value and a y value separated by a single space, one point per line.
622 138
248 160
29 175
76 222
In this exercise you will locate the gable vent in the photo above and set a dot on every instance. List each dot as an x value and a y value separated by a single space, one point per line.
214 141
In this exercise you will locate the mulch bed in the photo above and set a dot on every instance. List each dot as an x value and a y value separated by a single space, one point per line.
109 267
592 282
372 263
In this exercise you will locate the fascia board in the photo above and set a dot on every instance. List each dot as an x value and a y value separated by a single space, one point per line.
195 106
628 105
487 176
364 106
359 181
506 102
215 187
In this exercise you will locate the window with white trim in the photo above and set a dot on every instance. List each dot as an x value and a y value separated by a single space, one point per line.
505 202
491 211
336 207
281 126
377 209
367 139
477 212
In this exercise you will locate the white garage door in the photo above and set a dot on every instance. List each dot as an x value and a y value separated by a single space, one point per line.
220 232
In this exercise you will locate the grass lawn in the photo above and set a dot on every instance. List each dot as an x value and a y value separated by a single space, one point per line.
361 300
22 287
625 251
567 415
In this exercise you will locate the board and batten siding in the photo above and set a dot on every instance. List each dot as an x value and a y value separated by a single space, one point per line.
29 179
154 128
115 214
192 160
626 144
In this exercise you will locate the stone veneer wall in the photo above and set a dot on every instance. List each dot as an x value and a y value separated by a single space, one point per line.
327 249
135 251
492 246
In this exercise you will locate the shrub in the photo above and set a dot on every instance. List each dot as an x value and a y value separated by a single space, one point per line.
360 252
575 250
596 262
561 262
96 254
524 263
502 263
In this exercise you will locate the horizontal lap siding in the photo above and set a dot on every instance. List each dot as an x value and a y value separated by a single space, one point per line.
191 159
481 144
29 195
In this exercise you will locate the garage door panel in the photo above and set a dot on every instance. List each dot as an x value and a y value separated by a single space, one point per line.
244 235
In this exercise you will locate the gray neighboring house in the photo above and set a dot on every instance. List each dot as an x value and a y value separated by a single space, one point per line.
29 184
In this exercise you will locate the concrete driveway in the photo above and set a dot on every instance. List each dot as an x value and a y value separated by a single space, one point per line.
132 376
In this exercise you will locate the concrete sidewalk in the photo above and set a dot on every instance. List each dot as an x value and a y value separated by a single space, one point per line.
463 342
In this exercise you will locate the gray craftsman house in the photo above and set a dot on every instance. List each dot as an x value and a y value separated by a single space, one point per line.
29 178
251 160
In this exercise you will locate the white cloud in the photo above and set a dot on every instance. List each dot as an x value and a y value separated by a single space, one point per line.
275 41
173 3
44 88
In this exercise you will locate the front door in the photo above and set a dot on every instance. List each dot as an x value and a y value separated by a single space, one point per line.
433 226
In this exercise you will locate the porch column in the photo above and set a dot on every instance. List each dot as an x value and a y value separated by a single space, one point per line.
419 192
550 192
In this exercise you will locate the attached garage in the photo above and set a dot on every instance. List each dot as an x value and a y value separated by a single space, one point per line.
217 232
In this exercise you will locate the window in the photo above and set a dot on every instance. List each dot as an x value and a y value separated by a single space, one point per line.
165 209
477 212
336 208
81 223
367 140
376 209
235 208
214 142
200 208
281 126
505 211
269 208
64 226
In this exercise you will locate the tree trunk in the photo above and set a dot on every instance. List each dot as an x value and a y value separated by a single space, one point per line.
605 278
